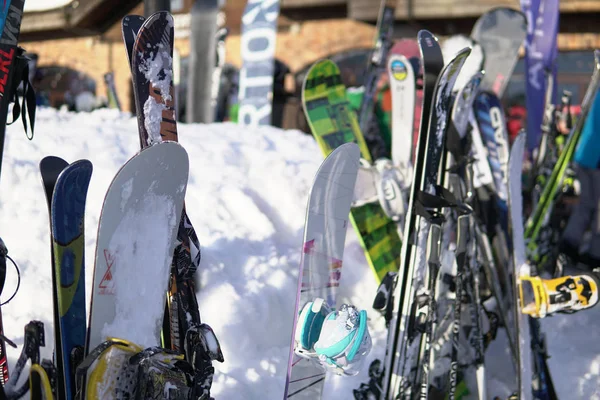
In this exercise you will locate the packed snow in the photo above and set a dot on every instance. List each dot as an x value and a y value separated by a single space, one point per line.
246 197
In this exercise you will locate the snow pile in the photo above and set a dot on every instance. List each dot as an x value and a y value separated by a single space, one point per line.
246 197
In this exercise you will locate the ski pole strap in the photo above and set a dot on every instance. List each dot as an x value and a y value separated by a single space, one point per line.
28 104
443 198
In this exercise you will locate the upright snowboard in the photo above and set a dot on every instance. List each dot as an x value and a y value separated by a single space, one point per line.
321 264
333 123
182 309
136 238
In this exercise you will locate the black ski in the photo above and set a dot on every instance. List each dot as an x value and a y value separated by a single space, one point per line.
50 169
130 27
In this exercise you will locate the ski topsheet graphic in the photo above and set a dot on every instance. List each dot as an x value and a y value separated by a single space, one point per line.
403 90
259 29
321 263
136 236
152 71
68 244
333 123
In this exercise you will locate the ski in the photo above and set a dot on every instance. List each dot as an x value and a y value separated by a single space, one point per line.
403 90
375 68
130 26
321 263
50 168
152 72
402 349
68 245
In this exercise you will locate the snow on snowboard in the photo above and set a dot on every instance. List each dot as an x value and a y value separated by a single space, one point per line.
136 237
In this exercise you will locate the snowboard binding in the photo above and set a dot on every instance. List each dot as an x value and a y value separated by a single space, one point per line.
339 340
566 294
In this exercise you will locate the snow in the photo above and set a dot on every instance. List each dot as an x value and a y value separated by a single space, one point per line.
136 232
246 197
41 5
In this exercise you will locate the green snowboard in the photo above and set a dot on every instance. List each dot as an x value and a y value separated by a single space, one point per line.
333 123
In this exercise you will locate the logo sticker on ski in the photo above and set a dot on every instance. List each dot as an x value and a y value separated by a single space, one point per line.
399 70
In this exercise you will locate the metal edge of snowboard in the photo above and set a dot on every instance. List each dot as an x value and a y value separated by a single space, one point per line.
145 158
328 189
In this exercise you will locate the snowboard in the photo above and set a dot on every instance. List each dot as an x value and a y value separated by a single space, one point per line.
321 262
500 32
50 168
68 245
520 266
259 29
137 235
333 123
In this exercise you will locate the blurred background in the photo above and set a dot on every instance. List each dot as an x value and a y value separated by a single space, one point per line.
74 44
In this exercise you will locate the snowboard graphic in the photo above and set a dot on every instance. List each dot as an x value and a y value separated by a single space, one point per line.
333 123
321 263
137 236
